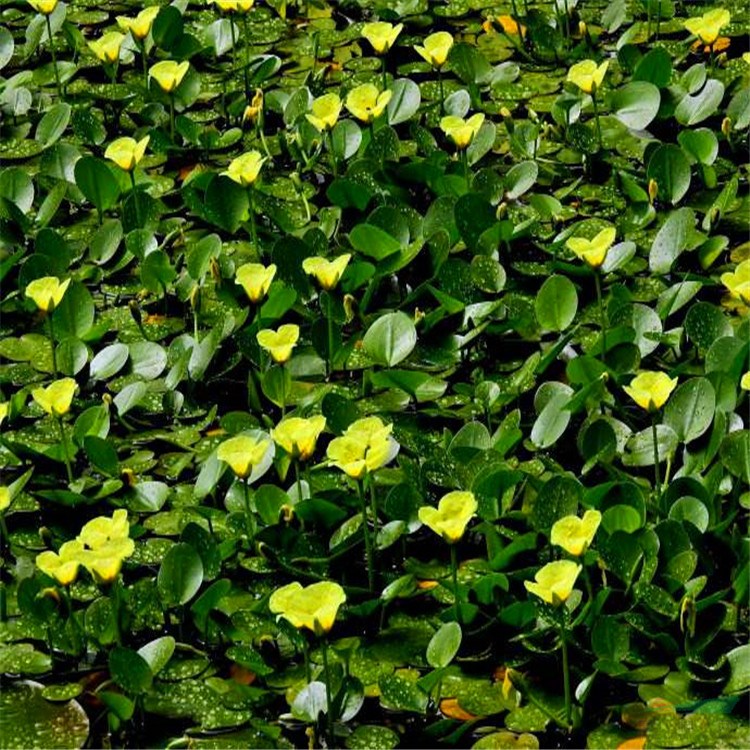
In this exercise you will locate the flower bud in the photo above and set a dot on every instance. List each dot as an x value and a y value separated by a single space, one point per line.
726 126
350 307
653 190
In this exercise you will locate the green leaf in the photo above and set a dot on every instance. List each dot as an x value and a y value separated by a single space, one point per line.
129 670
739 665
390 339
556 304
97 183
552 421
404 102
158 652
180 575
671 240
53 124
444 645
669 167
690 409
701 145
109 361
346 138
694 109
373 241
636 104
520 179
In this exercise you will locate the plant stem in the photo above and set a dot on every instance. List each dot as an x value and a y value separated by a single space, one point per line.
454 576
566 676
327 138
249 521
247 56
442 92
368 540
234 49
116 610
52 343
329 701
64 444
54 56
596 116
283 391
384 74
171 117
373 505
657 468
602 319
253 228
144 62
135 197
306 656
298 480
330 340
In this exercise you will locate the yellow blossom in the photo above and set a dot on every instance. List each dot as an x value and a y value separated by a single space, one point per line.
326 272
62 565
45 7
243 453
364 447
650 390
461 132
554 582
107 48
587 75
745 381
255 279
738 281
436 48
253 110
381 35
450 518
140 26
105 563
234 6
366 103
279 343
244 170
575 534
298 436
47 292
127 152
57 397
102 530
313 607
708 26
325 112
169 74
594 251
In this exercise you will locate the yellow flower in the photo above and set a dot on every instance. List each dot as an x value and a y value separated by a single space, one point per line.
575 534
738 281
461 132
127 152
326 272
255 279
593 251
244 170
242 453
254 108
650 390
4 498
107 48
4 408
366 103
45 7
169 74
745 381
57 397
325 112
105 562
62 565
279 343
234 6
708 26
587 75
313 607
47 292
507 23
102 530
436 48
450 518
298 436
364 447
554 582
139 26
381 35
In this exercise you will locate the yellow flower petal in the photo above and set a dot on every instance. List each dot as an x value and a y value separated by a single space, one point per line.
461 132
243 452
45 7
587 75
325 111
381 35
57 397
63 565
140 26
313 607
255 279
554 582
127 152
594 251
279 344
244 170
4 408
708 26
436 48
575 534
452 515
298 436
169 74
366 103
4 498
107 48
47 292
737 282
103 530
326 272
650 390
